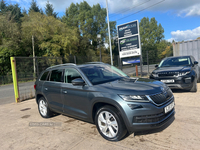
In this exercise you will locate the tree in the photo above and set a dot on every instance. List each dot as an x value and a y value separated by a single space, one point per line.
15 12
41 11
9 42
198 38
89 21
71 16
52 37
167 52
49 10
24 12
165 49
151 35
34 7
3 7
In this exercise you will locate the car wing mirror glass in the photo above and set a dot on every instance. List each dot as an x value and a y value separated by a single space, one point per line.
156 66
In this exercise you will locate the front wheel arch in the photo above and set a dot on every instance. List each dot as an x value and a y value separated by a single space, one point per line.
100 103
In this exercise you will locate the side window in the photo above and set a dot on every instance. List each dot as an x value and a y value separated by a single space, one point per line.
56 75
44 76
71 74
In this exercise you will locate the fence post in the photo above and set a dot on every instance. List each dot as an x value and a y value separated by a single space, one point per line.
15 81
136 69
74 59
148 62
37 67
2 80
119 62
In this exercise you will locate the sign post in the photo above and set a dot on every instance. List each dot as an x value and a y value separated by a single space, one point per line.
129 40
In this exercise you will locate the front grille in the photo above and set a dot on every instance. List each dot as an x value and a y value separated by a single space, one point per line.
150 118
168 74
162 98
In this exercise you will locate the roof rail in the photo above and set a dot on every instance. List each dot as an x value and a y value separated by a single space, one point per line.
95 63
67 64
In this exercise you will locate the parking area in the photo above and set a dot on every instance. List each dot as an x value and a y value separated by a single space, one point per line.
23 128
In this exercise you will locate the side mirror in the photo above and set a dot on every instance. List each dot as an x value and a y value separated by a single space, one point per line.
78 81
156 66
195 62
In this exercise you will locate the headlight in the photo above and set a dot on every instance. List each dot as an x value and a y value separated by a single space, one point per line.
136 98
182 74
154 75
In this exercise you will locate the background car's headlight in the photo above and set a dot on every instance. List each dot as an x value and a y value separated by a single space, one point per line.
182 74
154 75
137 98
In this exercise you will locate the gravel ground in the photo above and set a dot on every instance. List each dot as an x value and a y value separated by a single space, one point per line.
20 130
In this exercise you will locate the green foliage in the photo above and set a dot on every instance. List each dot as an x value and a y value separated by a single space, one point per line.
68 36
165 49
88 21
49 10
24 12
34 7
9 41
151 38
52 37
3 7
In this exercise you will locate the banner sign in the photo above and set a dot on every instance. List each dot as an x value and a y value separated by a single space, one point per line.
129 39
131 61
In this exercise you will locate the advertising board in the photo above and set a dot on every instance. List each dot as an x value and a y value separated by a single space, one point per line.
129 39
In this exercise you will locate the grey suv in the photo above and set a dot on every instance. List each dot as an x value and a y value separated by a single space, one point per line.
101 94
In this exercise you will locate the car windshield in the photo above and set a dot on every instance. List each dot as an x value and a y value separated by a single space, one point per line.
98 74
176 61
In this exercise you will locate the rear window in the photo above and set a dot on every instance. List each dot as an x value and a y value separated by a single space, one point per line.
44 76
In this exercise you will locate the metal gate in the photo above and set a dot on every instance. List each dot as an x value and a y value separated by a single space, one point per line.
25 70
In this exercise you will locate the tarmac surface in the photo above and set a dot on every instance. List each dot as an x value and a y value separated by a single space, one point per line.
23 128
7 95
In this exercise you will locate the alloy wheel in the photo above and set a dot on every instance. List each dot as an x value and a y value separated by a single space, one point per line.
43 107
108 124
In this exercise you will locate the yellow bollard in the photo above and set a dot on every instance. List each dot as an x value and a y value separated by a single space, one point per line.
14 75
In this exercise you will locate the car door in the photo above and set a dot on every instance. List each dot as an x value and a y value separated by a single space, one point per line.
52 90
75 98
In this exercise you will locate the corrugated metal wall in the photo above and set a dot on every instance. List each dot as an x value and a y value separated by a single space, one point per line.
187 48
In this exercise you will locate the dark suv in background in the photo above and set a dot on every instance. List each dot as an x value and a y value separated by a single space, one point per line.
101 94
178 72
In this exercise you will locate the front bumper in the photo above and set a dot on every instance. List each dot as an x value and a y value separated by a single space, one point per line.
149 117
185 82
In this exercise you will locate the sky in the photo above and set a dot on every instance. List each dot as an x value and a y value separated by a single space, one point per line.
179 18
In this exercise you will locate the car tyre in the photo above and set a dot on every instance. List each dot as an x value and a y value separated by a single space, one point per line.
110 123
194 87
43 108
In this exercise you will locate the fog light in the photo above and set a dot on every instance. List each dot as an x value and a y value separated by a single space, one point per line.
134 106
188 80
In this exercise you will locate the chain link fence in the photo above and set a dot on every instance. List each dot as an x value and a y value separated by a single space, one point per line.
27 73
7 79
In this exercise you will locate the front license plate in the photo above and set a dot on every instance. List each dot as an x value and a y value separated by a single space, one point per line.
169 107
167 81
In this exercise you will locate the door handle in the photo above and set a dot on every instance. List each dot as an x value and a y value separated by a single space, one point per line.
46 89
65 92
